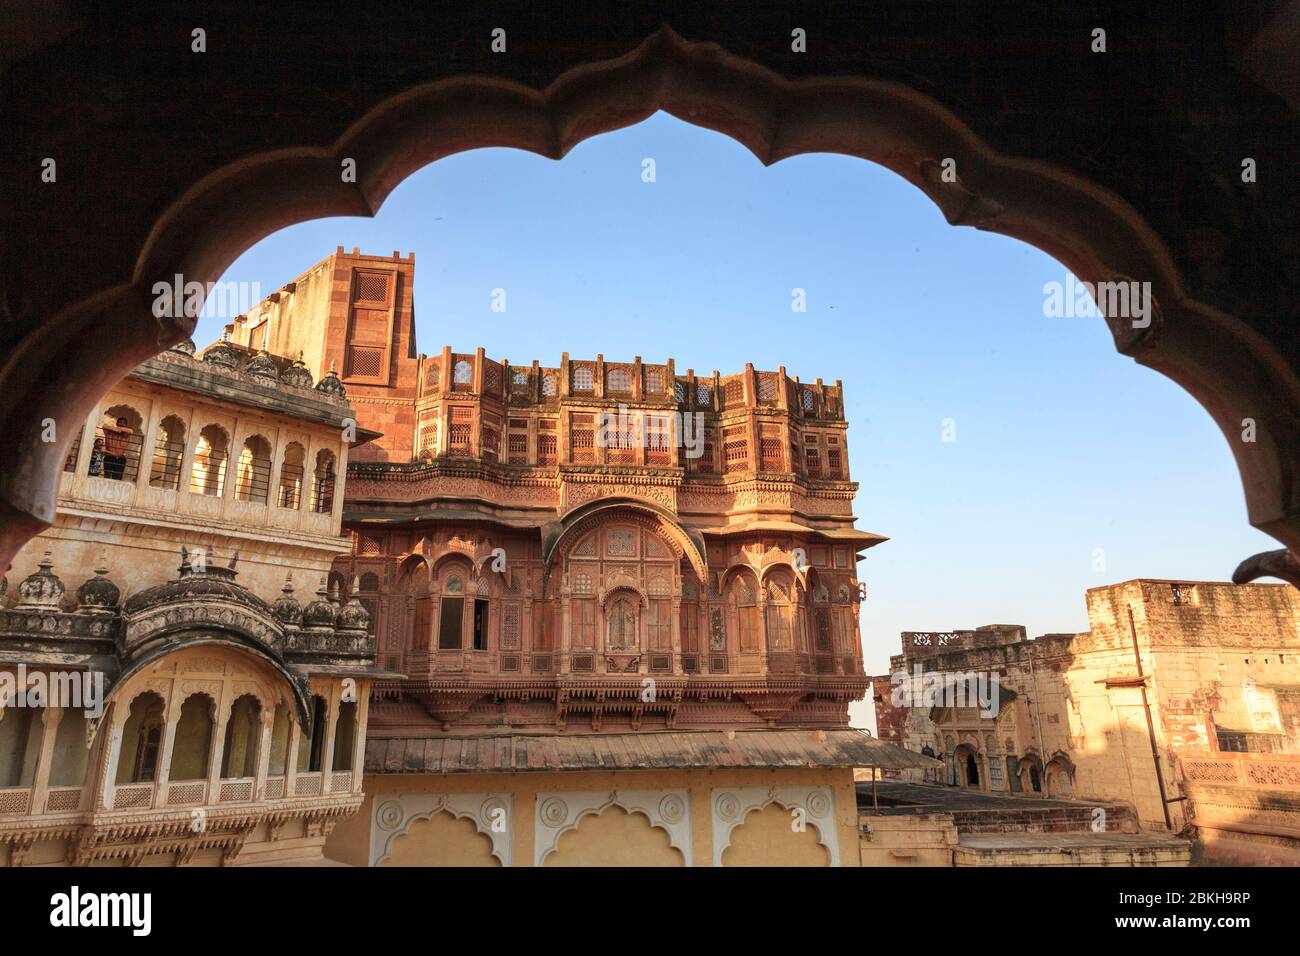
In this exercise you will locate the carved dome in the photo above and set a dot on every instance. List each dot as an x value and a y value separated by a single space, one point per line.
42 588
330 385
206 582
98 593
286 609
297 375
263 366
222 355
320 612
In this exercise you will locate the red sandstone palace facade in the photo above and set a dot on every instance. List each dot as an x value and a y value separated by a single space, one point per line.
533 541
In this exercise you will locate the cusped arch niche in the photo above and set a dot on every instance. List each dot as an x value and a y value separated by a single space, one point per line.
791 826
459 829
613 828
1234 372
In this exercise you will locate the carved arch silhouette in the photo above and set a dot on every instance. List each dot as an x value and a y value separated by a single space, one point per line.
1233 371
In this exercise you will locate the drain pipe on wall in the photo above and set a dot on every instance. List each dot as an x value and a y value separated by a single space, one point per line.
1151 727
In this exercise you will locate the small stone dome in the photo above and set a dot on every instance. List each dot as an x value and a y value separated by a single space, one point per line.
297 375
320 612
354 616
222 355
98 593
263 366
286 609
330 385
185 346
41 588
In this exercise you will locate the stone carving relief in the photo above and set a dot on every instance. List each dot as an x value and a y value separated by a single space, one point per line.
732 805
558 813
492 814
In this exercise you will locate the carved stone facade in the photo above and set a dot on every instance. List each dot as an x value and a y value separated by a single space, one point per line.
1206 675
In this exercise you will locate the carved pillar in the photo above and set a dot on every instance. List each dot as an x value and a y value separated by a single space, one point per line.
675 623
217 745
359 735
263 755
113 752
564 645
291 745
327 747
170 720
50 717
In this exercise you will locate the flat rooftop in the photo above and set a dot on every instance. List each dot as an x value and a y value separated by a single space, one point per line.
899 797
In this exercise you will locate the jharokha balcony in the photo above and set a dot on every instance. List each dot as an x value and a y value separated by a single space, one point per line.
194 720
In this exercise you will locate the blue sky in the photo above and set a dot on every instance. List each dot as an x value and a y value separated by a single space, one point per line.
1062 447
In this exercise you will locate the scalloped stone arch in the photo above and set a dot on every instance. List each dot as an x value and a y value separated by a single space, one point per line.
1231 369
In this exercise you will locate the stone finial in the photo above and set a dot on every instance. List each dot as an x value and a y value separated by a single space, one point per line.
42 588
320 612
354 617
286 609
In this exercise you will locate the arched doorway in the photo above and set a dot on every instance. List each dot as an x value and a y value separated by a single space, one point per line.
1237 367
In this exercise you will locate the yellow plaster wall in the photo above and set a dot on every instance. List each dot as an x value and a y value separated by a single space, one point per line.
349 843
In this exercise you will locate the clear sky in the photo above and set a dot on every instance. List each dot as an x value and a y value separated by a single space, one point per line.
1072 466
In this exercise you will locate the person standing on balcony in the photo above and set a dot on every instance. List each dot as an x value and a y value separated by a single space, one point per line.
116 442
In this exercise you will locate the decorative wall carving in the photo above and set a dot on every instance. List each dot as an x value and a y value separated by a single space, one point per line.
558 813
492 815
732 805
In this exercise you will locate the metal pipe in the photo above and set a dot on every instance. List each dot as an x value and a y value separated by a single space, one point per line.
1151 727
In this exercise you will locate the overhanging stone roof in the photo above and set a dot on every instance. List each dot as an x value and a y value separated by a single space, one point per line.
650 750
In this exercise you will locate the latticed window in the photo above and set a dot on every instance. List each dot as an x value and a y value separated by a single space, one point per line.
735 449
462 373
746 614
690 628
808 400
546 449
733 392
583 439
370 287
620 381
654 381
833 462
429 439
548 386
492 377
771 454
519 377
582 378
658 625
583 616
491 443
679 392
518 448
767 388
703 395
780 618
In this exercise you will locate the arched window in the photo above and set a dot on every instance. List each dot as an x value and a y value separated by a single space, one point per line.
548 386
239 756
345 735
290 493
582 379
193 740
253 477
745 601
619 381
451 614
141 740
462 373
780 615
20 744
311 750
322 495
70 758
208 476
621 625
123 439
168 449
972 771
279 760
